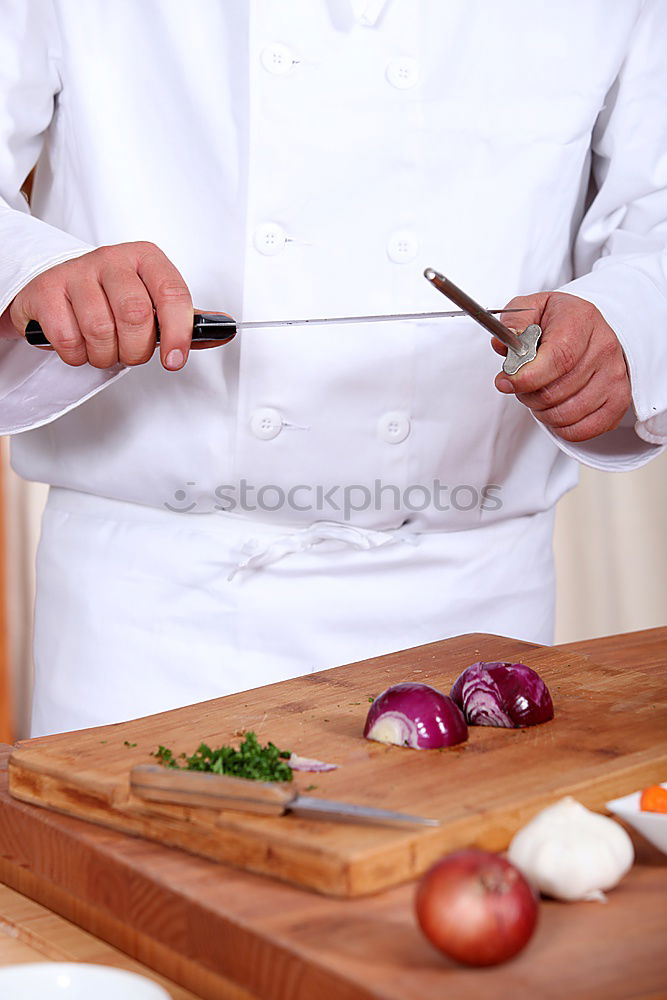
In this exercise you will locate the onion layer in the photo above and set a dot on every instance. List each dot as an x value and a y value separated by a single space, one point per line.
415 715
510 695
476 907
298 763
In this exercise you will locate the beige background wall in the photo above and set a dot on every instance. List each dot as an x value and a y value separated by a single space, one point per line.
24 503
610 545
611 553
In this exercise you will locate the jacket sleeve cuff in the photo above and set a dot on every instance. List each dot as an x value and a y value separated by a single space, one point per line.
642 333
35 247
36 387
620 450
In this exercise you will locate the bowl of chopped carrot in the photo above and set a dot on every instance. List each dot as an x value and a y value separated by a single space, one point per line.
646 812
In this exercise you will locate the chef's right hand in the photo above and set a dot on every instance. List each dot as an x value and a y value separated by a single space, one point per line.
100 307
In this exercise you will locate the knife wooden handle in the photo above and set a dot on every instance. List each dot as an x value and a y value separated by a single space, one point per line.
205 326
215 791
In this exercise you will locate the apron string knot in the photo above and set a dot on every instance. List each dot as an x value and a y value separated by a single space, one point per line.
303 539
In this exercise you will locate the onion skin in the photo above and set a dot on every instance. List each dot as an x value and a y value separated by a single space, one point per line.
298 763
510 695
417 716
476 907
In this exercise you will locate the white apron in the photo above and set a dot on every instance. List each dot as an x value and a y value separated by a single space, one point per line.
334 594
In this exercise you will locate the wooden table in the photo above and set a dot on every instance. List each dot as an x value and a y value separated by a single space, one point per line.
30 932
283 943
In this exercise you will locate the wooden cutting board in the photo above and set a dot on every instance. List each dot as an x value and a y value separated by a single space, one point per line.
608 737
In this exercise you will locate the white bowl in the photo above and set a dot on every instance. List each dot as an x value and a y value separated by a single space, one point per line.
651 825
75 981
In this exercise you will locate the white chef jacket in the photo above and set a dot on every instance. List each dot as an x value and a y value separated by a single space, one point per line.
310 159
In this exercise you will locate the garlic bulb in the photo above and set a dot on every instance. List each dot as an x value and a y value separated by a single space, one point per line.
569 852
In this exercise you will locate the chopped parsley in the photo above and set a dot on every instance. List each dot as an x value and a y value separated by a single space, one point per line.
251 760
165 757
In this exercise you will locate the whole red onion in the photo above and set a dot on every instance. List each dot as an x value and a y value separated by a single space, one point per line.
476 907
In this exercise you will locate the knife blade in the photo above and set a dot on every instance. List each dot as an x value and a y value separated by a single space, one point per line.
222 328
521 347
154 783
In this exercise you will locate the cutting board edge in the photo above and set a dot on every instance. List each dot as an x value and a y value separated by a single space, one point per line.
331 876
26 761
357 876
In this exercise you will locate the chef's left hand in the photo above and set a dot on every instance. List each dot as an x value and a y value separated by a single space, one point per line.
578 385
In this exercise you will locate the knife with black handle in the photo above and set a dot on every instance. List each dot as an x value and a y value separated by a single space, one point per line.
217 327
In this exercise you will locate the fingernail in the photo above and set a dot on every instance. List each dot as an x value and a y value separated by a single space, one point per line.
174 360
504 385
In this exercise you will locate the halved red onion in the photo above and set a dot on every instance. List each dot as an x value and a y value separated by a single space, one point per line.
415 715
510 695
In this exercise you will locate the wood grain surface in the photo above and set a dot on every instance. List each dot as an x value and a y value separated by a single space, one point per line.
30 933
225 934
482 790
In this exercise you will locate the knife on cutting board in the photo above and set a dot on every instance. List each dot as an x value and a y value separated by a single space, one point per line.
155 783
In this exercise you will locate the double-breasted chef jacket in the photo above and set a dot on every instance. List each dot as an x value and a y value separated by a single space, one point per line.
308 496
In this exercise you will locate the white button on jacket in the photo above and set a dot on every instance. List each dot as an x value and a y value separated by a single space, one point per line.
402 247
310 159
269 238
266 423
402 73
394 427
277 59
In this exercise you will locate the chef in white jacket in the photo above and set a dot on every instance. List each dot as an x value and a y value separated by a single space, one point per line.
307 496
